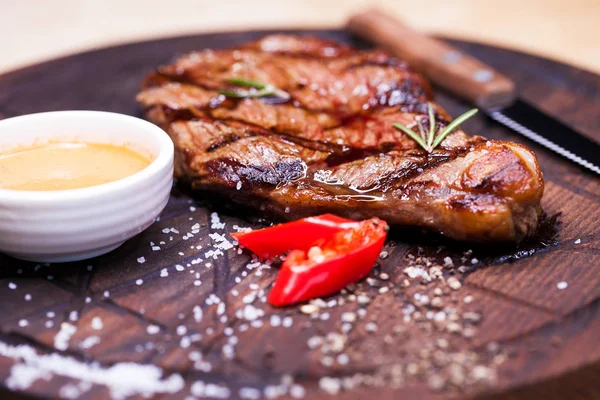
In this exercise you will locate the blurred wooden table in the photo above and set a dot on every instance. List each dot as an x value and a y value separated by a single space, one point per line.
35 30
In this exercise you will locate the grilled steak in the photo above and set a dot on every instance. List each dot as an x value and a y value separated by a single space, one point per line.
331 146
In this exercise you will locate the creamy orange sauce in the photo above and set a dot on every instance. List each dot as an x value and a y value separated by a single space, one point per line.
62 166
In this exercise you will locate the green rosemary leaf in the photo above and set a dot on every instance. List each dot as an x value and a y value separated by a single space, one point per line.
236 94
280 93
246 83
453 125
411 133
429 141
432 127
264 89
245 94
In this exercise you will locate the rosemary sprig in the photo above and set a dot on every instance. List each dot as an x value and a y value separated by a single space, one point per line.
431 139
246 83
257 89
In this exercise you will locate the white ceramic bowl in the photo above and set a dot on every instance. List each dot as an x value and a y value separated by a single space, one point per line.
70 225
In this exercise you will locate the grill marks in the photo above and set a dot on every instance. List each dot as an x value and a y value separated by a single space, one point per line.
342 86
336 92
332 146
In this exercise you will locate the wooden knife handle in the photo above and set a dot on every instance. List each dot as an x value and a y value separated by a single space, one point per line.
447 67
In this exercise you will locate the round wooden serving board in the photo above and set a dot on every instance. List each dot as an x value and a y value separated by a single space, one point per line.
516 334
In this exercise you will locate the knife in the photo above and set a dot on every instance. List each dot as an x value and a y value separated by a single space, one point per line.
470 79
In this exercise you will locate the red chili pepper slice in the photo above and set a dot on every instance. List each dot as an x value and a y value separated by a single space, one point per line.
295 235
329 265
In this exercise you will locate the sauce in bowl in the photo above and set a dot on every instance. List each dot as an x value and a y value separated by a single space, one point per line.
63 166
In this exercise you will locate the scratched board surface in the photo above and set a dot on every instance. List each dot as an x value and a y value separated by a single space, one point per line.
180 311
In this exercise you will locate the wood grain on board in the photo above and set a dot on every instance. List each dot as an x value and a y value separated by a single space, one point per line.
548 336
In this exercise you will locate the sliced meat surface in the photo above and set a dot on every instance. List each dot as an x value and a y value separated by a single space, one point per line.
331 146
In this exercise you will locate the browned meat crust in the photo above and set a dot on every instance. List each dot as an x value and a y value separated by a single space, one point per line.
332 147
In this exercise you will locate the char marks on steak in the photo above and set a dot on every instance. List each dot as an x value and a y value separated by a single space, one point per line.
331 147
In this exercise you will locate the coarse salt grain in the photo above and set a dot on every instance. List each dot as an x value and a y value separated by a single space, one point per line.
197 313
287 322
314 342
89 342
152 329
139 282
415 272
371 327
249 298
12 285
348 317
275 320
562 285
453 283
27 297
309 308
73 315
97 323
215 221
343 359
141 260
209 390
327 361
249 393
330 385
62 337
213 253
23 323
297 391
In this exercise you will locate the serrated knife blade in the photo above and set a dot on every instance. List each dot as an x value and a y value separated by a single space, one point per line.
535 125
